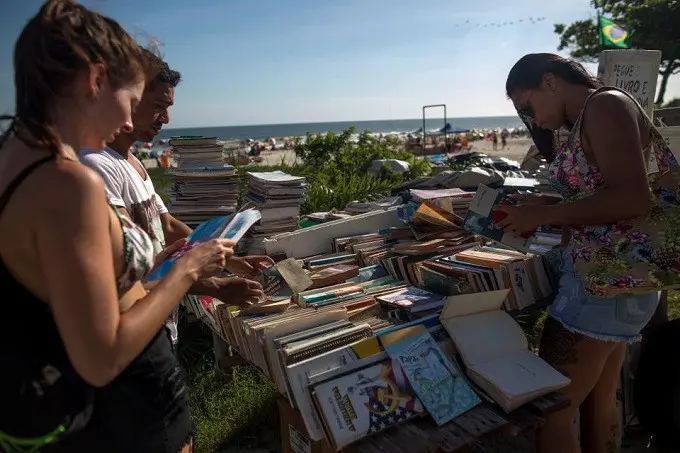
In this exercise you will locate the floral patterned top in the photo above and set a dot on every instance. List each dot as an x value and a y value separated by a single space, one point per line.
139 253
624 257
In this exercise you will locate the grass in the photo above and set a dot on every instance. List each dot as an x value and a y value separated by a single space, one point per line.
238 410
232 411
160 181
673 304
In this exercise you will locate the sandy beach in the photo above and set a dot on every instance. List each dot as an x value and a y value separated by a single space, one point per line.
516 149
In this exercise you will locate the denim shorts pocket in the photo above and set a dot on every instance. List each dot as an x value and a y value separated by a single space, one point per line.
636 309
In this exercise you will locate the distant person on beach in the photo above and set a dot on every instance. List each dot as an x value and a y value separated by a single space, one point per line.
88 365
494 140
602 176
130 188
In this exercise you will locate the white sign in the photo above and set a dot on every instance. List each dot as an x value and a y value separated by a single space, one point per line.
634 71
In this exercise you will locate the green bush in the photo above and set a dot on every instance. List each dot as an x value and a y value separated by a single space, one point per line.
328 192
337 153
336 169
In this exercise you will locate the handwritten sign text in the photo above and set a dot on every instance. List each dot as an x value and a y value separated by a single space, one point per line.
634 78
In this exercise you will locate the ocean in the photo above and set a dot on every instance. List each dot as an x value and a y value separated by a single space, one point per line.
263 131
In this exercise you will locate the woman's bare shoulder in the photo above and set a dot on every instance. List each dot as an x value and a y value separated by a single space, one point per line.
68 181
612 102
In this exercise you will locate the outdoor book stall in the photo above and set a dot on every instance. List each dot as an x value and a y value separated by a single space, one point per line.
405 315
401 317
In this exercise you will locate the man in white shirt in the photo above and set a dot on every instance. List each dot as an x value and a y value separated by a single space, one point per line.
130 189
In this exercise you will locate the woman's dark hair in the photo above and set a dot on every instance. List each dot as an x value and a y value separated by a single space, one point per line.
527 74
58 42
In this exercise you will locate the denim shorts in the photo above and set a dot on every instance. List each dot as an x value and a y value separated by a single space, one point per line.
616 319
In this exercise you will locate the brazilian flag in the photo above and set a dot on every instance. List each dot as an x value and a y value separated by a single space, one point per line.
613 35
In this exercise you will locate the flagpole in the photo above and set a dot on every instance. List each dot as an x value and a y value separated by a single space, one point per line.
599 31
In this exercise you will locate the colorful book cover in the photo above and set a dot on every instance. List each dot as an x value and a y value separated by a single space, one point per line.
440 386
366 401
482 217
299 373
229 227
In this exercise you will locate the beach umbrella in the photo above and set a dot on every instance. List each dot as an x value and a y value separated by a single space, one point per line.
448 129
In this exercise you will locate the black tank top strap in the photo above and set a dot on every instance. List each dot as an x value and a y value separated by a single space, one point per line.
12 187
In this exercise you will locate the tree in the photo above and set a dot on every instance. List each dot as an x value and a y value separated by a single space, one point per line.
675 102
654 25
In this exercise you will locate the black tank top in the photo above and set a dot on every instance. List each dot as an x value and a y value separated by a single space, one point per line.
10 286
144 410
42 394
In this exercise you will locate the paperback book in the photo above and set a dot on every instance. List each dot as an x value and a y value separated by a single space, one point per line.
483 216
229 227
437 382
363 399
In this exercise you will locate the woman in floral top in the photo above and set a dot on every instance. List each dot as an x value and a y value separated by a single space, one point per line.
601 173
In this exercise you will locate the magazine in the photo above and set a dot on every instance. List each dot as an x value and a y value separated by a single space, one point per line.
229 227
276 178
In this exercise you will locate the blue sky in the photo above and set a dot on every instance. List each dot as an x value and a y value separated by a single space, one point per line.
293 61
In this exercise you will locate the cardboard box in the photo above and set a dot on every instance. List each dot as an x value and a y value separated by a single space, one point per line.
294 437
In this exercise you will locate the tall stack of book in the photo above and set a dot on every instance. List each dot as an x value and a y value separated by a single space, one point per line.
203 186
278 196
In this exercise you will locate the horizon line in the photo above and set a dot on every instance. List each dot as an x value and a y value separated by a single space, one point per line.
332 122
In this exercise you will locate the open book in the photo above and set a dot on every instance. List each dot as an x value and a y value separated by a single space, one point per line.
230 227
495 350
285 279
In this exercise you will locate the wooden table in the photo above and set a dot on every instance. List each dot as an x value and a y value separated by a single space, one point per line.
423 436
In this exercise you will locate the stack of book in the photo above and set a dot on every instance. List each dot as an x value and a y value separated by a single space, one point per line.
203 186
343 330
278 196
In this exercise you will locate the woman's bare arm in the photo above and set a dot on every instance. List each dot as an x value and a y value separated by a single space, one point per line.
612 133
75 250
